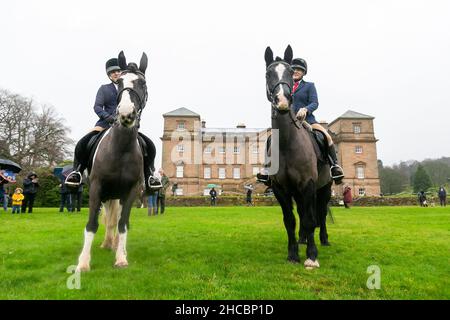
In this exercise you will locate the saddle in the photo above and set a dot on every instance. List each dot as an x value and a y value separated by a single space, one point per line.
319 140
95 140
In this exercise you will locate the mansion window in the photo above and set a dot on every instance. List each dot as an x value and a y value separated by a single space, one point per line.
360 172
361 192
221 150
207 173
255 170
236 150
208 150
181 125
358 149
356 128
236 173
222 174
180 171
180 148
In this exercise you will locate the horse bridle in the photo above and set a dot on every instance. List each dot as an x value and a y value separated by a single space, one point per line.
142 101
270 95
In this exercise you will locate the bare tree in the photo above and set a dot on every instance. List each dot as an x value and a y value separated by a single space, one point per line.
31 137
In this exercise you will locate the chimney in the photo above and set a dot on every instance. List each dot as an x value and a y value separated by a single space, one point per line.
240 125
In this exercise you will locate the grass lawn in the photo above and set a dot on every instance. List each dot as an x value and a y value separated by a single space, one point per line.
229 253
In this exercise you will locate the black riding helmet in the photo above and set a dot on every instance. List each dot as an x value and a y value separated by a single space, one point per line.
112 65
299 63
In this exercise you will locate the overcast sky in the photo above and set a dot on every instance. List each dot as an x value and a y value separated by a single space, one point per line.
389 59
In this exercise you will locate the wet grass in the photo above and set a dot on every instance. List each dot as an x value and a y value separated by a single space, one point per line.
229 253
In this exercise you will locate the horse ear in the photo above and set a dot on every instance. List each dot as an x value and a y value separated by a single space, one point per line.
288 54
122 61
268 56
143 63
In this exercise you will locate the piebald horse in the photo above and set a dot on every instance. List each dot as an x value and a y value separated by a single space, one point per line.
301 175
116 171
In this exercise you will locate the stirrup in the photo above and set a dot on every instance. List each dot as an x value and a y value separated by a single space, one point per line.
70 183
154 183
264 178
338 176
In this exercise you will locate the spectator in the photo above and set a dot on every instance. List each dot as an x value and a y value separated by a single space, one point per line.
422 199
162 192
79 197
3 193
442 196
64 196
174 189
152 202
249 195
17 199
347 197
213 194
30 189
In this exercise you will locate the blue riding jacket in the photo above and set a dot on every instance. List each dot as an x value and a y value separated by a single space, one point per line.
105 104
305 96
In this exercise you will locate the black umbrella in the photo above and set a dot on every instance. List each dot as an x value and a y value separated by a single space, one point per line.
9 165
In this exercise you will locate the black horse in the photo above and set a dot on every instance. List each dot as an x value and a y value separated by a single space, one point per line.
116 172
300 175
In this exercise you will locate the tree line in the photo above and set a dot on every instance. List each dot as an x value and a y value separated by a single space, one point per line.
34 136
414 176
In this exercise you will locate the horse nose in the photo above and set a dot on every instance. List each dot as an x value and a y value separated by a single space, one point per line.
128 118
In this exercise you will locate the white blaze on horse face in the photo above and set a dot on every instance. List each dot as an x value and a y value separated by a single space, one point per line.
126 106
283 103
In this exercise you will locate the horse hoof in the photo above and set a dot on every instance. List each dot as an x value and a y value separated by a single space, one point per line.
325 244
294 260
82 268
121 264
309 264
106 245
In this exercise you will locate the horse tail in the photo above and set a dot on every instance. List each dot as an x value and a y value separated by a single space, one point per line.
111 213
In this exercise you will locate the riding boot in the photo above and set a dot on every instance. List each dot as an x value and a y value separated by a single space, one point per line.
151 182
263 178
337 173
81 158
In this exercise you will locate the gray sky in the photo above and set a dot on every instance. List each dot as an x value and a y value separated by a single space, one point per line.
389 59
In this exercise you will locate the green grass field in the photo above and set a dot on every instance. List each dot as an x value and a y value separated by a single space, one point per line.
229 253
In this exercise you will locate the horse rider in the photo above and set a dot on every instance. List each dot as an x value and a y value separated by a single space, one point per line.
304 103
105 107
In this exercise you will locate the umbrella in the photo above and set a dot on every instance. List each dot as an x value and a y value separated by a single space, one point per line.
62 172
9 165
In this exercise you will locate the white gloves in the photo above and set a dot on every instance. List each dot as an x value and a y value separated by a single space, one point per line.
301 114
